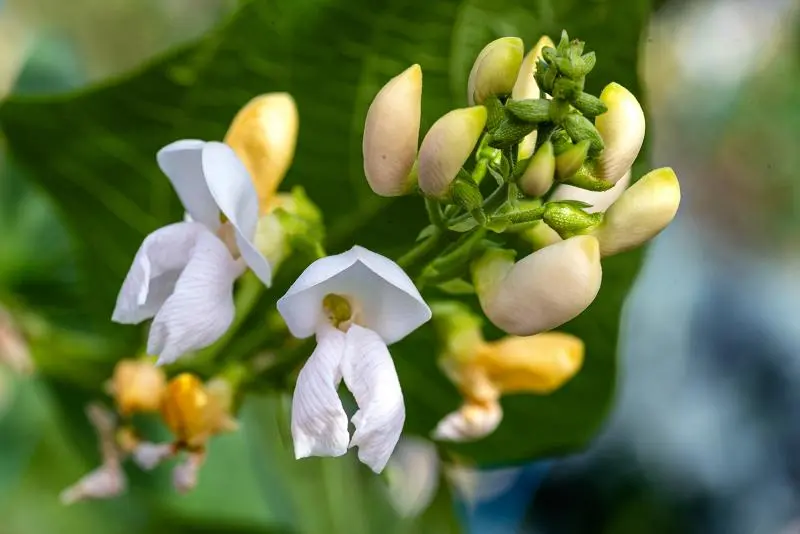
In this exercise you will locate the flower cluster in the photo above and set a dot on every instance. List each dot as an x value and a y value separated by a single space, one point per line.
560 163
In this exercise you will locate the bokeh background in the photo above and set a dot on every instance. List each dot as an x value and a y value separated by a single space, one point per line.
705 428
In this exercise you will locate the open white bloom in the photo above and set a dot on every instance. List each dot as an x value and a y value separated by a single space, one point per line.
183 274
356 303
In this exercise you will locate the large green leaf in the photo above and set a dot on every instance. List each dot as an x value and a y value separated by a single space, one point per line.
94 153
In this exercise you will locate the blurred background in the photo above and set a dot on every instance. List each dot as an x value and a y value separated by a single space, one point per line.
705 430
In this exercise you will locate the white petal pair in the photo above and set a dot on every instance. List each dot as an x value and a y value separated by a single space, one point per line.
183 273
388 308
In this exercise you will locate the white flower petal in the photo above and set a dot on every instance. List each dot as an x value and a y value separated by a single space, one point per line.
201 308
233 190
155 270
469 423
413 476
369 374
181 162
319 423
390 303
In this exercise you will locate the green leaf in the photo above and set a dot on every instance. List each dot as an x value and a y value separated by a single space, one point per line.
93 152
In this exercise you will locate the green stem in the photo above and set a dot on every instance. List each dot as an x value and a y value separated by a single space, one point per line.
449 265
420 250
434 210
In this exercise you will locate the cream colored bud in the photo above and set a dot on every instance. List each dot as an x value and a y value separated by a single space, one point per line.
540 172
525 87
599 200
543 290
640 213
137 386
471 422
446 147
622 128
412 475
495 70
264 134
391 134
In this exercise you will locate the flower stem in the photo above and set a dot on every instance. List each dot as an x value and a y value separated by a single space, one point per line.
420 250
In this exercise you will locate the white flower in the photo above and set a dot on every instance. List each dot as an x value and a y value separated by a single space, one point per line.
356 303
183 273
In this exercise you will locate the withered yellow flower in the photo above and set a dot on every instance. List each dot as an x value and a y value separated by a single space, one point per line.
194 412
137 386
484 371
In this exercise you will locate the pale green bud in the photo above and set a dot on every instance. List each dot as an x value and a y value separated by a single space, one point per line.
525 87
446 147
599 200
640 213
568 219
391 134
569 161
495 70
538 176
622 128
540 235
543 290
294 223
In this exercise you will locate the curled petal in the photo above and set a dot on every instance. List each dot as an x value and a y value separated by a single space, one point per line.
319 423
640 213
155 270
471 422
622 128
181 162
446 147
388 300
391 134
263 134
370 375
201 308
148 455
543 290
233 191
599 200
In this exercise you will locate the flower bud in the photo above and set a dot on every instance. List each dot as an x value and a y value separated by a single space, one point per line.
495 70
264 134
622 129
192 413
599 200
525 86
446 147
137 386
640 213
293 223
569 161
567 219
538 176
391 134
543 290
412 475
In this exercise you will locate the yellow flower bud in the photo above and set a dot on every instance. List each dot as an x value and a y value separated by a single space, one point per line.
599 200
622 128
525 87
264 134
446 147
391 134
640 213
543 290
137 386
495 70
192 412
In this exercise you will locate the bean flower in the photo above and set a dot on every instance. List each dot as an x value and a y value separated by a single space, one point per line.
356 304
183 274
